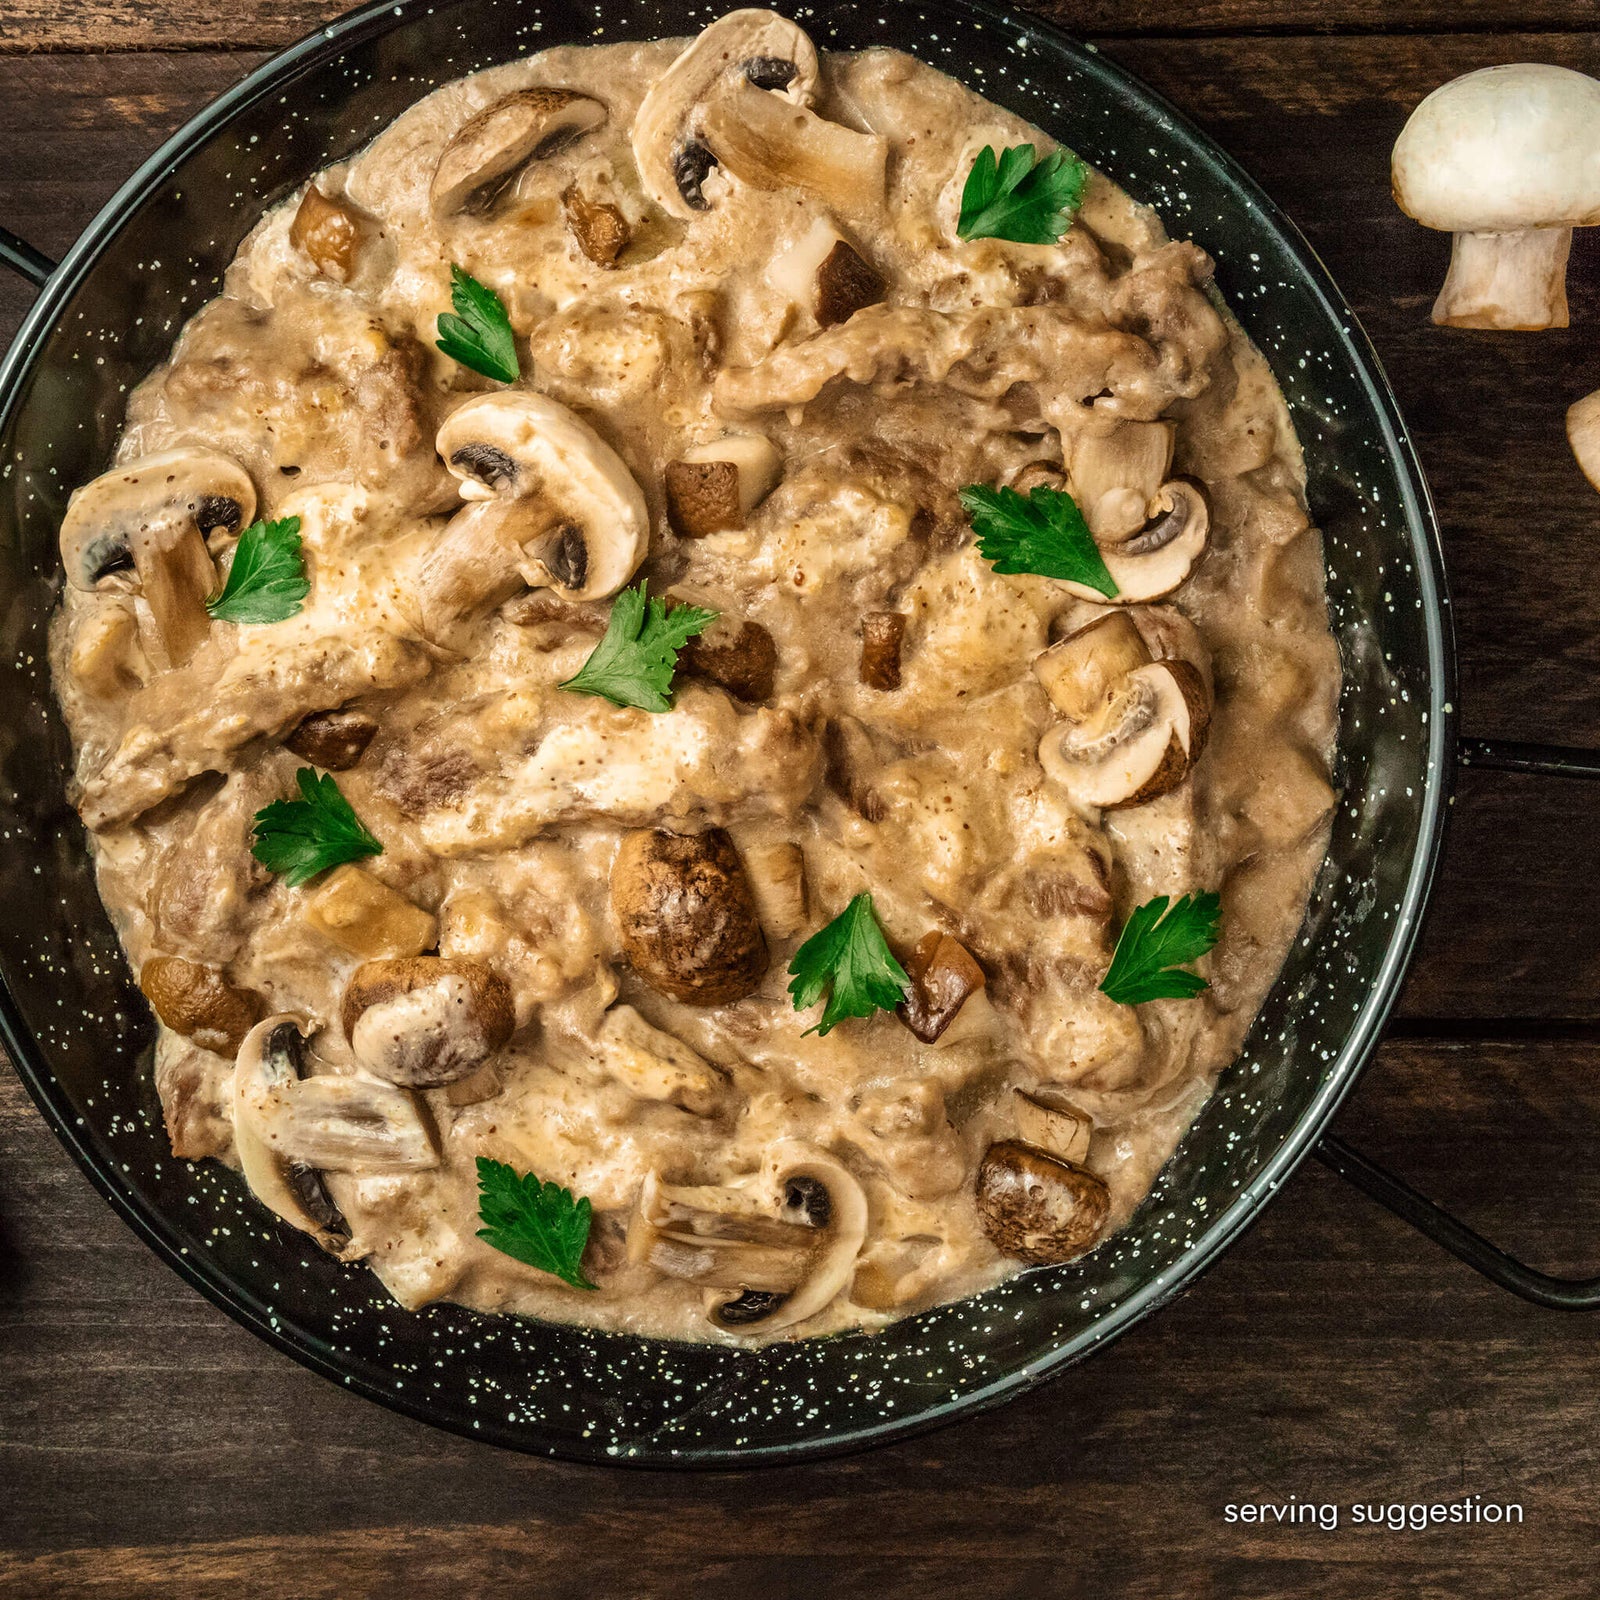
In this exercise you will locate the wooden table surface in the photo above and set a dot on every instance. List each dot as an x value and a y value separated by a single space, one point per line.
150 1447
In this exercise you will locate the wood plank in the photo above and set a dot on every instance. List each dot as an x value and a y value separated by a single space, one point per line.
150 1447
35 25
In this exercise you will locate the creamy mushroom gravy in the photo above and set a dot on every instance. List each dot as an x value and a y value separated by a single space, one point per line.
912 770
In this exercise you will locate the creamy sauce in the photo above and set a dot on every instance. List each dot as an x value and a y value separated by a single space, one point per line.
501 800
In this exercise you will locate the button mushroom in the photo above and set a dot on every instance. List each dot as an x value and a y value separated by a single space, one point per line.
943 974
882 633
1117 476
687 917
333 740
1138 738
199 1002
362 914
713 487
1036 1208
753 45
488 149
766 1260
152 517
423 1021
289 1129
550 504
654 1065
826 276
1503 159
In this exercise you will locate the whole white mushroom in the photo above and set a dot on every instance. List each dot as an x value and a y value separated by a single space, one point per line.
1507 159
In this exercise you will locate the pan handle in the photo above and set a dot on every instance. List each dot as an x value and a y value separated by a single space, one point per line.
1563 1294
21 257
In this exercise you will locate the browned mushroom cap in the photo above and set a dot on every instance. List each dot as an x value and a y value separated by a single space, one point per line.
736 655
943 974
881 635
1080 671
422 1021
687 916
199 1002
491 146
599 227
329 231
1036 1208
333 740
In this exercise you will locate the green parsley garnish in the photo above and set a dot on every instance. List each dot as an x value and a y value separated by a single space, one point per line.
301 838
851 960
1156 942
479 334
1044 534
267 581
1018 198
540 1224
633 664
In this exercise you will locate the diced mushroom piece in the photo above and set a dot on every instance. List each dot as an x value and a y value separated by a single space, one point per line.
713 487
333 740
1583 434
1140 744
1079 672
654 1065
687 917
766 1261
850 764
423 1021
1050 1122
198 1002
551 504
759 47
490 147
599 227
1117 476
329 231
943 974
1036 1208
288 1130
362 914
772 143
825 275
881 635
1502 159
777 876
736 655
152 517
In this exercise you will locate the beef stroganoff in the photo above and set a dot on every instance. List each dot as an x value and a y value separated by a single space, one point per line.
703 696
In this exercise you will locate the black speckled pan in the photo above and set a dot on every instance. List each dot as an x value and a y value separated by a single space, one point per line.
76 1027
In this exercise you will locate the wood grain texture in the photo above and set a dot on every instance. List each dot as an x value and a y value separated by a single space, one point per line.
151 1448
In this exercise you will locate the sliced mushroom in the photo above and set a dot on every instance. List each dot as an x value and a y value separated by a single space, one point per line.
1080 671
1161 555
772 143
767 1260
1117 476
715 486
333 740
943 974
552 501
288 1130
330 232
655 1065
687 917
362 914
199 1002
882 633
423 1021
759 47
152 517
490 147
825 275
1036 1208
1050 1122
1141 743
777 877
599 227
736 655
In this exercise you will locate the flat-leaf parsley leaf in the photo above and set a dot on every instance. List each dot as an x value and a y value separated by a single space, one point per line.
1157 940
1042 533
267 581
1015 197
851 960
479 334
540 1224
634 663
303 837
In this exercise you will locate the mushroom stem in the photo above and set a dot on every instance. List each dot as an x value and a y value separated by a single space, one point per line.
1506 280
177 577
